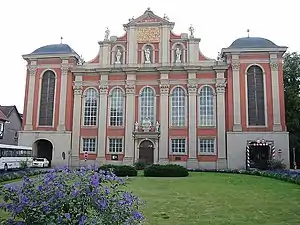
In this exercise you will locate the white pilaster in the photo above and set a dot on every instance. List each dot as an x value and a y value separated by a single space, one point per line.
236 94
164 119
275 96
165 45
102 122
192 140
106 47
220 88
130 115
77 88
29 109
131 46
193 50
63 97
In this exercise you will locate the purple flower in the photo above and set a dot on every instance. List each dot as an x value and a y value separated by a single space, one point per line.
68 216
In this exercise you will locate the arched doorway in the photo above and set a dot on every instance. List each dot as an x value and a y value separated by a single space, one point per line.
146 152
43 149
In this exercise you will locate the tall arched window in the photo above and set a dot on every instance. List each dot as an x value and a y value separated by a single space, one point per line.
147 104
117 107
255 95
90 107
47 99
206 106
178 107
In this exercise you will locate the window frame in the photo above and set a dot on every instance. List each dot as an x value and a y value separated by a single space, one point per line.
108 145
83 107
82 145
154 105
206 138
123 98
178 138
171 107
206 125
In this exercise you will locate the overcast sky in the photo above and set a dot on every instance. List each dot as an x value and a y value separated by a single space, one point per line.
29 24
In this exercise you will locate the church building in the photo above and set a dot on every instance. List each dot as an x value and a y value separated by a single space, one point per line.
152 96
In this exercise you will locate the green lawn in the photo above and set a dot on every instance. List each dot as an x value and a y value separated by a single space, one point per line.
218 199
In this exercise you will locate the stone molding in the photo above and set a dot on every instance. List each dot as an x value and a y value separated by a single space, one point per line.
64 70
221 84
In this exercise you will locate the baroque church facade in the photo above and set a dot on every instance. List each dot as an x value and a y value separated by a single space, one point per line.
152 96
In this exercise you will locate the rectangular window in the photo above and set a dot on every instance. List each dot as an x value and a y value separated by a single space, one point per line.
207 146
178 146
89 145
115 145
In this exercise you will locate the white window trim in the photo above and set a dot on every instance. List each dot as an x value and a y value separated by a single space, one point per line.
214 106
83 108
265 97
139 117
170 145
205 138
96 145
183 54
143 53
107 146
170 108
39 98
113 54
109 107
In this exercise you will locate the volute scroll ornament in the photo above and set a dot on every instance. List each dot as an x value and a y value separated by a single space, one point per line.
192 88
130 89
221 87
103 89
164 88
64 70
77 89
235 66
32 70
274 65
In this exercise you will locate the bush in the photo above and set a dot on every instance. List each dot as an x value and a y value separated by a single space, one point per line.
140 165
120 170
169 170
285 175
67 197
276 164
13 175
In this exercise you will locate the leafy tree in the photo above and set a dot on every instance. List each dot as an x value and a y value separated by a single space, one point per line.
291 71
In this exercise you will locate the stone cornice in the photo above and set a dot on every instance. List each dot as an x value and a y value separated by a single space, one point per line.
45 56
280 49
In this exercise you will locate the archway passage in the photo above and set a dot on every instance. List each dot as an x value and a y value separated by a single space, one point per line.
259 155
146 152
43 149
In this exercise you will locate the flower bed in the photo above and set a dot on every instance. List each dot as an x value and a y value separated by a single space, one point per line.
13 175
286 175
68 197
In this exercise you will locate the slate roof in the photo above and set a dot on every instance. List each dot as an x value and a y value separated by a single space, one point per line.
6 110
253 42
54 49
2 116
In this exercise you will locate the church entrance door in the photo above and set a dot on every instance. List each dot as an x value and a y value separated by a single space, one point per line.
146 152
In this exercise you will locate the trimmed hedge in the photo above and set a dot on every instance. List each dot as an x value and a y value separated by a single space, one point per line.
120 170
285 175
140 165
169 170
18 174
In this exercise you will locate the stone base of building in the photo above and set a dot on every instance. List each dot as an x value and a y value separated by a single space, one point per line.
128 161
163 161
222 164
237 141
192 164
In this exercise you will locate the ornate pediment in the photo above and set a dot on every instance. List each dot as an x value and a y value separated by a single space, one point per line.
148 18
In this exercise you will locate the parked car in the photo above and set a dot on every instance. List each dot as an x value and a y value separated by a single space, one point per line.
40 162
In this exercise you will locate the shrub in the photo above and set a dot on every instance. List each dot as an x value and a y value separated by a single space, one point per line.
140 165
68 197
24 164
276 164
169 170
285 175
120 170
